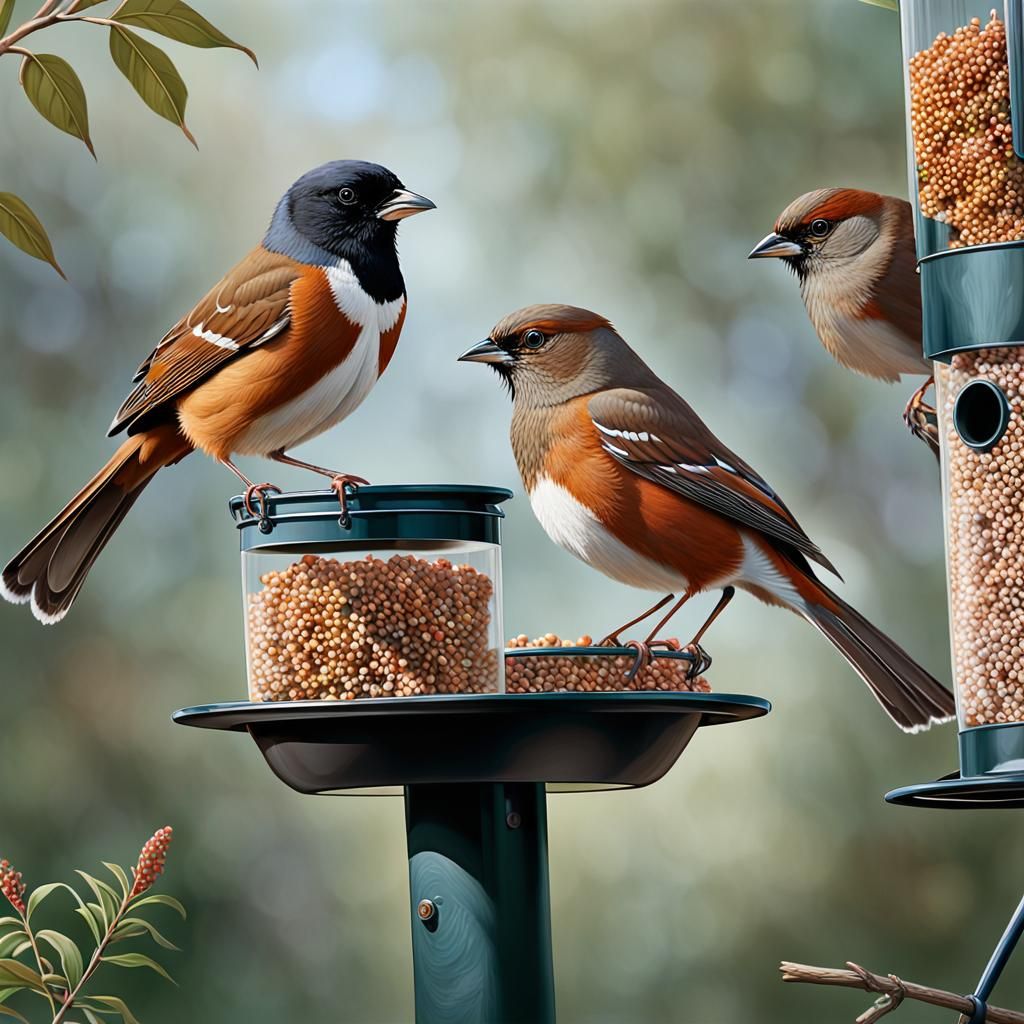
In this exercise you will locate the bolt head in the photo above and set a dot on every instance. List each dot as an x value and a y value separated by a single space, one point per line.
425 910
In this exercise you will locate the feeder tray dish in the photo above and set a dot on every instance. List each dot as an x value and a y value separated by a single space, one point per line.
567 740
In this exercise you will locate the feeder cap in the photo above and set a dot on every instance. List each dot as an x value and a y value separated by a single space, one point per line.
376 512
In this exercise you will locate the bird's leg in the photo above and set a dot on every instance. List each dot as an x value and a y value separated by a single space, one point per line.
259 491
643 647
341 483
921 417
612 639
701 659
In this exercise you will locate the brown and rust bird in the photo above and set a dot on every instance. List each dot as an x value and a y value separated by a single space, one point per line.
282 348
853 254
623 474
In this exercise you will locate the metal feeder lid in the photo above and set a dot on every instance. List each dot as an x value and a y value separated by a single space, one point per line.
376 512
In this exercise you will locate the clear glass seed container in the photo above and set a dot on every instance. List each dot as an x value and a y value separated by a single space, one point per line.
963 63
962 69
404 600
979 398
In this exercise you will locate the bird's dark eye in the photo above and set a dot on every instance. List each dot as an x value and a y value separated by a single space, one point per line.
820 227
347 196
533 339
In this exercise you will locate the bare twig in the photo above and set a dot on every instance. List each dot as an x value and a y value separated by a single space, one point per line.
892 991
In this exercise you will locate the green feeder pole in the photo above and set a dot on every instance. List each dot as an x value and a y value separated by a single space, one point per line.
478 881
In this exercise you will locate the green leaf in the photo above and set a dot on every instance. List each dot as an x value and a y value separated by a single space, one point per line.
21 227
70 957
139 927
86 914
152 75
83 4
56 92
11 941
6 993
118 872
38 895
14 973
105 895
889 5
137 960
6 10
117 1004
176 20
164 900
6 1011
6 922
91 918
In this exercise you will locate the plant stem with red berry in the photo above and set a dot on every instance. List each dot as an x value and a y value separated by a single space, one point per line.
113 917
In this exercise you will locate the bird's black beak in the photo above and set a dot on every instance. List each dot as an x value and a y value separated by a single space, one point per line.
775 246
402 203
485 352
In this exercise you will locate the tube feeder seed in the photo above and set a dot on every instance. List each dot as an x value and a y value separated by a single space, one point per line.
396 685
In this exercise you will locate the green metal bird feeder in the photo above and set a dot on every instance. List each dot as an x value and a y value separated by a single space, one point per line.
964 75
376 665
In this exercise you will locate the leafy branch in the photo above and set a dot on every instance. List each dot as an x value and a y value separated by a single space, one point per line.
114 914
55 90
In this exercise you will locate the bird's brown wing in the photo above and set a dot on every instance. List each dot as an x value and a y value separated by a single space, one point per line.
248 307
654 433
898 293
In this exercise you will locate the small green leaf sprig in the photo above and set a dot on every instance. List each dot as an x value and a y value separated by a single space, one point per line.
29 956
56 91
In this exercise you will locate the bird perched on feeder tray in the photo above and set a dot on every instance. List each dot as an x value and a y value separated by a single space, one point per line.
854 256
282 348
623 474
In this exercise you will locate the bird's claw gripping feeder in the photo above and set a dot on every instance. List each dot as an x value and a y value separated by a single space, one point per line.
376 663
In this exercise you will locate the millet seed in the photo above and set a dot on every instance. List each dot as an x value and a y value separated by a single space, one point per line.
968 175
330 630
590 673
985 544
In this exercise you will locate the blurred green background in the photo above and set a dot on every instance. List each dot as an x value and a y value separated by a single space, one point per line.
614 155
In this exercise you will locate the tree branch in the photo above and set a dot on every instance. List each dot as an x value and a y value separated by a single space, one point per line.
44 21
892 991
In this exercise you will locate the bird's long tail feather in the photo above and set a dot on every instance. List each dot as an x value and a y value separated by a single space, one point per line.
50 570
910 696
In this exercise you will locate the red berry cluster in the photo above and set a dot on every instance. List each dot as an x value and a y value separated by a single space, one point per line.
12 886
152 860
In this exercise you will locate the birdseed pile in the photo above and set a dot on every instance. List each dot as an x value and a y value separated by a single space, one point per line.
985 544
560 674
331 630
967 172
